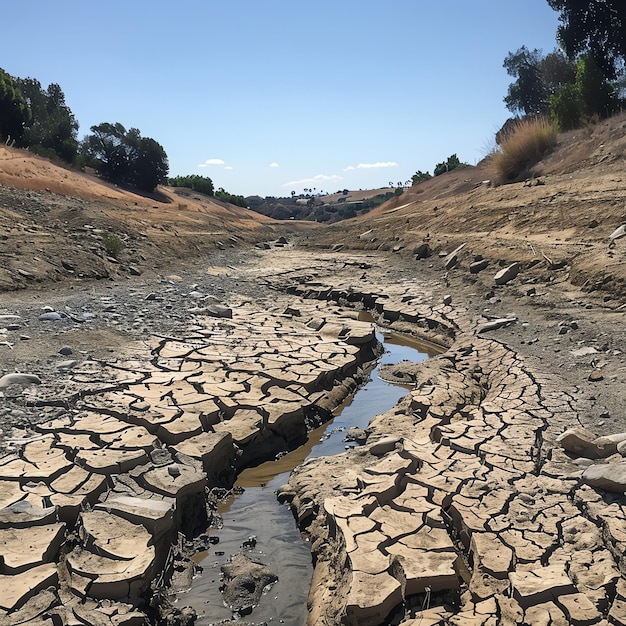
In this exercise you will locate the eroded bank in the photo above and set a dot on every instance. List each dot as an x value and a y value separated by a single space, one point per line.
461 474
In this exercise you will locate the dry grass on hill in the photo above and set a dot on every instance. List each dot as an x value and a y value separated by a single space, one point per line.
565 213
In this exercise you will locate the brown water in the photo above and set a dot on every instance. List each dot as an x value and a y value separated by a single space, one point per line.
256 512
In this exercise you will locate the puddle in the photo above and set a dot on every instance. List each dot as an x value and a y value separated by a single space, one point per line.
256 512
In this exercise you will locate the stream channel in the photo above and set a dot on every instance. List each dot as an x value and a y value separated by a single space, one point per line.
257 513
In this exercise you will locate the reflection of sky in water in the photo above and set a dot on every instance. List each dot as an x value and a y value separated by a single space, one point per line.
257 512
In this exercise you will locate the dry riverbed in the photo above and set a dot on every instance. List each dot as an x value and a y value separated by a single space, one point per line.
127 401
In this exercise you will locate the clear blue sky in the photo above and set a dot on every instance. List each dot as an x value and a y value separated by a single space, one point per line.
265 97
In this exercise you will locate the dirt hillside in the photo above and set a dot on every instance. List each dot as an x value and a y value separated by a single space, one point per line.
565 213
59 224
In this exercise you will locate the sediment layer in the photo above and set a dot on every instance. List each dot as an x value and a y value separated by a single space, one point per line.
462 506
465 505
92 501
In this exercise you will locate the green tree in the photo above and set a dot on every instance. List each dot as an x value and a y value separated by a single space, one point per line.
528 93
590 97
453 163
105 151
202 184
538 78
566 107
420 177
14 111
598 97
556 72
125 156
597 26
149 164
53 128
231 198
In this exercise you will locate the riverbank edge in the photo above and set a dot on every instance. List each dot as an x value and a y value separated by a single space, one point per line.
338 593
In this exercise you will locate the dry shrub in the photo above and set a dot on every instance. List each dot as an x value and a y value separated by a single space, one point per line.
523 146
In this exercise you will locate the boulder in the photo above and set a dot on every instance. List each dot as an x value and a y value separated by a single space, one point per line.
607 476
423 251
507 274
582 442
244 582
453 258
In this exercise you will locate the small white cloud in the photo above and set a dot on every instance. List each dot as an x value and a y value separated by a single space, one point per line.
320 178
364 166
211 162
274 164
229 167
349 168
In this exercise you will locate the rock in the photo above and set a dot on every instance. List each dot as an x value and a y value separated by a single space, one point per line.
620 231
356 434
384 445
607 476
584 351
609 444
507 274
66 351
581 442
219 310
596 376
244 582
423 251
19 379
498 323
453 258
478 266
52 316
447 300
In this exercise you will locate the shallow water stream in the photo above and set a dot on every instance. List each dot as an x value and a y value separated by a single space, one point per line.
256 512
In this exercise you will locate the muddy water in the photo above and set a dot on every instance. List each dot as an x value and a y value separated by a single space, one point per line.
256 512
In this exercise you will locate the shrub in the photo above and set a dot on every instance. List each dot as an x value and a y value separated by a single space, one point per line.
523 146
113 245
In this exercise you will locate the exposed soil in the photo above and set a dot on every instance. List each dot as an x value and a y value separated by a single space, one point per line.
70 243
54 225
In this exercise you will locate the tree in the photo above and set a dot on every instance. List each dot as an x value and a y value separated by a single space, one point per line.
590 97
420 177
149 164
453 163
597 26
528 93
203 184
125 156
53 128
556 72
539 78
598 97
14 112
220 194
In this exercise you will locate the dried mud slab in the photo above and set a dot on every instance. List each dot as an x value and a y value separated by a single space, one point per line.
99 493
469 506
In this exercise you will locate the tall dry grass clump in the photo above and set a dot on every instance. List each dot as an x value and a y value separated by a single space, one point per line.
523 146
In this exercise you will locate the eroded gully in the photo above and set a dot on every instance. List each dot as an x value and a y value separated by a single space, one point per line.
255 512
